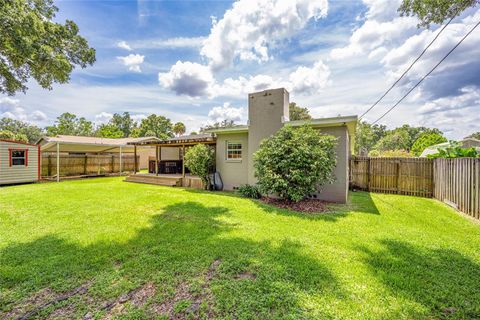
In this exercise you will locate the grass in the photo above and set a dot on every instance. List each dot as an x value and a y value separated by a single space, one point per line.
140 251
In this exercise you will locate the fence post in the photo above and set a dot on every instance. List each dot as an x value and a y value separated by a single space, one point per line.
368 174
49 168
85 161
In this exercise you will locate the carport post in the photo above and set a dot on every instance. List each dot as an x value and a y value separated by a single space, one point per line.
183 161
156 160
58 162
135 159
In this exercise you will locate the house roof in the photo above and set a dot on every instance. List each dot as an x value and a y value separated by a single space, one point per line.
349 121
89 144
176 141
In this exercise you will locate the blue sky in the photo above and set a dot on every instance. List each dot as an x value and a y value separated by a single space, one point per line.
195 61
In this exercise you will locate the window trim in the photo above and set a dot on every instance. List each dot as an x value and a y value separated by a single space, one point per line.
227 149
10 156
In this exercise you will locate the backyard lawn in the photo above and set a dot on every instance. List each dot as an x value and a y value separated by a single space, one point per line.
103 248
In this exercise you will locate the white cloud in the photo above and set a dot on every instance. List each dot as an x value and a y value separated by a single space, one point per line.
11 108
171 43
103 117
124 45
132 61
306 80
227 112
187 78
250 27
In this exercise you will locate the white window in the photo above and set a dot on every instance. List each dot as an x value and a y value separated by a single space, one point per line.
234 150
18 157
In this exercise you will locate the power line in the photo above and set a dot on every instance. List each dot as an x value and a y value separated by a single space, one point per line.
421 80
408 69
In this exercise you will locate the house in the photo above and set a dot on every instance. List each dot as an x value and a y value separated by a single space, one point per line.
465 143
19 162
268 111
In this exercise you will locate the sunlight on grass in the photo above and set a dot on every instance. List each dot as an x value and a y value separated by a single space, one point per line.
181 252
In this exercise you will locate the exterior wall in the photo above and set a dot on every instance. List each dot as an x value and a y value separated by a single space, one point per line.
144 154
267 111
233 172
18 174
338 190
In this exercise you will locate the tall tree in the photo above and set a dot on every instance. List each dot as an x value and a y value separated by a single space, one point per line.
426 140
179 128
109 131
157 126
298 113
367 136
434 11
124 123
218 125
475 135
17 127
33 46
68 124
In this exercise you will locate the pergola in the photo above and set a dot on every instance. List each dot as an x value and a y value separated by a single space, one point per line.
181 142
76 144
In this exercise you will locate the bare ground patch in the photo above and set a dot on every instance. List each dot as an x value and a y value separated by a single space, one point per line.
306 205
137 297
183 293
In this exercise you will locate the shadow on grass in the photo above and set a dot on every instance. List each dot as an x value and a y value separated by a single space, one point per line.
183 242
359 202
444 281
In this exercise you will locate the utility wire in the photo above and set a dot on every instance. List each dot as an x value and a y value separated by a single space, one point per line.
421 80
408 69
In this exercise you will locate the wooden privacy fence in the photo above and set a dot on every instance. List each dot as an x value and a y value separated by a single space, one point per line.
454 181
457 183
408 176
83 165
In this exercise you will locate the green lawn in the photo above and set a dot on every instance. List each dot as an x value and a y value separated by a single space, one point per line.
111 249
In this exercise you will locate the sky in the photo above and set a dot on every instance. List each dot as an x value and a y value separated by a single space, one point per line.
196 61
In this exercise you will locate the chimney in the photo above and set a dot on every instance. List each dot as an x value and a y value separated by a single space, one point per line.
267 112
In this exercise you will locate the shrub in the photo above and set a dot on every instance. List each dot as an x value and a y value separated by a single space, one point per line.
249 191
455 150
390 154
294 162
200 161
426 140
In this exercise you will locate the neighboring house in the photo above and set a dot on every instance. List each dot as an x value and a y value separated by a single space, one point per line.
94 145
19 162
268 111
465 143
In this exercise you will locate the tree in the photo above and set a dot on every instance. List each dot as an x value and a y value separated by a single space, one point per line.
393 140
179 129
294 162
109 131
33 46
32 132
391 154
298 113
434 11
69 124
455 150
426 140
367 136
193 133
218 125
475 135
124 123
8 135
156 126
200 160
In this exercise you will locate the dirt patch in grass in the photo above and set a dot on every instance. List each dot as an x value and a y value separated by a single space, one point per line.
137 297
246 276
183 293
44 299
306 205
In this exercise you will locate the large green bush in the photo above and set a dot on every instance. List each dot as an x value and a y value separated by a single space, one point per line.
200 161
426 140
294 162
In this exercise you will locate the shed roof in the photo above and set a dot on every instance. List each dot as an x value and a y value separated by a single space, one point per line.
89 144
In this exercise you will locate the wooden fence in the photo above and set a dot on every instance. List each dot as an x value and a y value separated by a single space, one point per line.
457 183
84 165
454 181
408 176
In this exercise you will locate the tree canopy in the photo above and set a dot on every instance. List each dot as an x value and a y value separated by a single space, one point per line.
179 129
68 124
475 135
218 125
21 129
298 113
426 140
434 11
33 46
157 126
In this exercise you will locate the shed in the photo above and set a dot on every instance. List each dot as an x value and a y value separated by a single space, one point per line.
19 162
